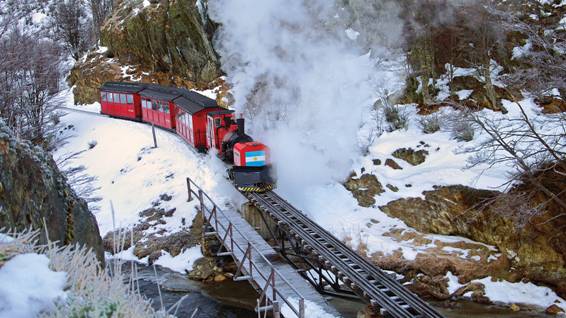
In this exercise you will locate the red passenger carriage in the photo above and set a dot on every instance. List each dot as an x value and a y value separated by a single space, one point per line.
121 100
157 105
192 109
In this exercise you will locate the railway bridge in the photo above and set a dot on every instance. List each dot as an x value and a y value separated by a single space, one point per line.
315 254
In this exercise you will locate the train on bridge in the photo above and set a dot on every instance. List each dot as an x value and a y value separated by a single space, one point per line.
206 126
199 121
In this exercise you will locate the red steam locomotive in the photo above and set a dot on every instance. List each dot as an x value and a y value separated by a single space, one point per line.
199 121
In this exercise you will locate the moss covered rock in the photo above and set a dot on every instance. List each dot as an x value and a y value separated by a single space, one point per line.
170 36
166 42
364 189
34 192
414 157
458 210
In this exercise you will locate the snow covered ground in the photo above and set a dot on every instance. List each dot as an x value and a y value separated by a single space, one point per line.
506 293
29 287
333 207
131 175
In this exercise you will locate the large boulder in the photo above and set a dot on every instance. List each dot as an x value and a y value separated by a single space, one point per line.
533 250
364 189
33 192
169 43
172 36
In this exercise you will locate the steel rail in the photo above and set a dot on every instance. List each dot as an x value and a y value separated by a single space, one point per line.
380 296
376 291
412 299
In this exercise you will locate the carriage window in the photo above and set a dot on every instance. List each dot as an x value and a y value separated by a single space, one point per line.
123 98
143 103
103 96
166 108
130 99
109 97
154 106
116 98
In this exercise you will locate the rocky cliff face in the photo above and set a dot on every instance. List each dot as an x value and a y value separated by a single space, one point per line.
534 251
168 36
168 42
33 191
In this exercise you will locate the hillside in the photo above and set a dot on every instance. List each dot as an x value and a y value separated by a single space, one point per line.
427 135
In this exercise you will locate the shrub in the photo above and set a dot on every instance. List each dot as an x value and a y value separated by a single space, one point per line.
463 130
91 290
430 124
397 118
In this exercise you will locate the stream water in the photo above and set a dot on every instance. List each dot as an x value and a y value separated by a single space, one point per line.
237 299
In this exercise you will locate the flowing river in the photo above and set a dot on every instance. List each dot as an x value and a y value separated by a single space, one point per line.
237 299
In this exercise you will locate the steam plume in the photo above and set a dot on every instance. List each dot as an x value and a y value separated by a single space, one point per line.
302 81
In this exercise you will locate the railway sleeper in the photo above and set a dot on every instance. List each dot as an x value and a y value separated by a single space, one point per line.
380 274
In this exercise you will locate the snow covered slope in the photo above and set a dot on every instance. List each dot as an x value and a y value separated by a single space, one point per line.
132 174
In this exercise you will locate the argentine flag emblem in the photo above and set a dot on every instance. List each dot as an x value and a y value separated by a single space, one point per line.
255 158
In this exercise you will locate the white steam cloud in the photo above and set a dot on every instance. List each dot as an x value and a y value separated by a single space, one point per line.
302 83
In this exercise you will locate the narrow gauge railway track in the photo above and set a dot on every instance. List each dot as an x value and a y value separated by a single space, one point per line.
82 111
366 280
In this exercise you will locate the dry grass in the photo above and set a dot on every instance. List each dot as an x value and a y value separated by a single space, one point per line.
91 290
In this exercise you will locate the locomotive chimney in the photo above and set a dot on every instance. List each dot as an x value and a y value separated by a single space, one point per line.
241 126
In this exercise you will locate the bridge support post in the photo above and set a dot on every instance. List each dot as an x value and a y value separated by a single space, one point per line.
276 310
200 198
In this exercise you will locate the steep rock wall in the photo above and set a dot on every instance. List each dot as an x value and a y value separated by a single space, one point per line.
33 191
167 42
535 250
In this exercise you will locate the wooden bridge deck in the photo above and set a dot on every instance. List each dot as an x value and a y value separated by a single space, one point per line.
277 282
267 252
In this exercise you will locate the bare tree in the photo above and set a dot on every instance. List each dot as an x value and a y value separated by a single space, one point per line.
535 148
100 10
74 27
485 41
544 60
83 183
29 82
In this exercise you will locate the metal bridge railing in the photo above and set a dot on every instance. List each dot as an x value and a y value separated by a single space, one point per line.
247 267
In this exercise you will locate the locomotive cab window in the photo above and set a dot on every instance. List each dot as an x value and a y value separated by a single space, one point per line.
217 122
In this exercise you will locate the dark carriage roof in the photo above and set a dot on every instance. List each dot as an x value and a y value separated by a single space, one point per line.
193 102
122 87
190 101
160 92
